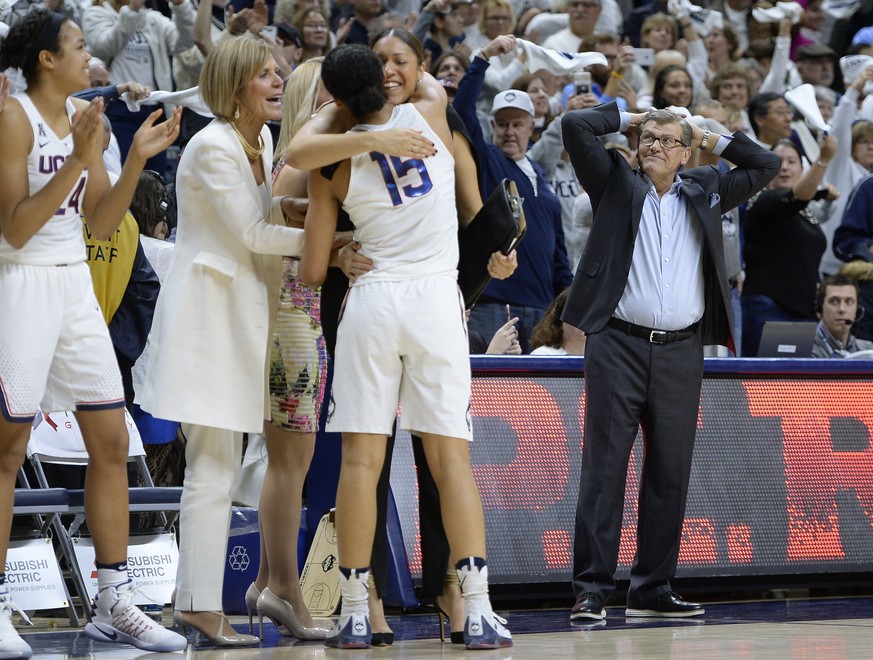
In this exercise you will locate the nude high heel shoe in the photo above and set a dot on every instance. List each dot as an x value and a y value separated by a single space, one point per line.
252 594
219 637
280 612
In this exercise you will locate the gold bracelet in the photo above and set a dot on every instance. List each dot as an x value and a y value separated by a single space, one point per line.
615 74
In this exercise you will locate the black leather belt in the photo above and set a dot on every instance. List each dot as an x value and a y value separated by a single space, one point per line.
652 335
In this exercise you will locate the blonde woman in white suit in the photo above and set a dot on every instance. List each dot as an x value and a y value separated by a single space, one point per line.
210 339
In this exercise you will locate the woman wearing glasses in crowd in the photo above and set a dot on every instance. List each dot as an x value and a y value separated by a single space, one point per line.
314 31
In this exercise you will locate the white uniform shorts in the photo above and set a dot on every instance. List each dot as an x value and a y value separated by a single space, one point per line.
402 342
55 350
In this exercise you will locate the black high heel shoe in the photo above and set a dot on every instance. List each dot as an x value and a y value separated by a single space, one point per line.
382 639
456 636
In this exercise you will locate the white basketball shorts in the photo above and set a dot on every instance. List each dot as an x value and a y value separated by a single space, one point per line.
55 350
402 342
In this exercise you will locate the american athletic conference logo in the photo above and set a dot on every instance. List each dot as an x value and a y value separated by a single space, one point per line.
238 558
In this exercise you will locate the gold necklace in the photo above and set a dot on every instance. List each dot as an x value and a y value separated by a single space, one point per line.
252 153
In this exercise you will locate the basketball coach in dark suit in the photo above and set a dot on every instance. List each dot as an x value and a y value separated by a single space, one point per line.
650 290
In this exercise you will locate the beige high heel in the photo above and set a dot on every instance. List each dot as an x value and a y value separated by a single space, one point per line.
252 594
280 612
219 638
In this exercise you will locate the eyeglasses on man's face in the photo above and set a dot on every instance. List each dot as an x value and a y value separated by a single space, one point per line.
667 141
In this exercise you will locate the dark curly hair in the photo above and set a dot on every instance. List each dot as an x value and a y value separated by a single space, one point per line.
353 75
149 204
16 50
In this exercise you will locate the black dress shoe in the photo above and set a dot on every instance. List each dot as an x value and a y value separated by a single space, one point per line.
589 606
666 605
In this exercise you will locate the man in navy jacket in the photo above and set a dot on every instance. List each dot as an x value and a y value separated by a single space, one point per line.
543 271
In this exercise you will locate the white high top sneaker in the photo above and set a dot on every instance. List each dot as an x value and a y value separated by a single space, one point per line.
352 630
483 629
114 618
11 644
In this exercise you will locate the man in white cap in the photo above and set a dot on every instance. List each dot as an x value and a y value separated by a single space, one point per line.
543 271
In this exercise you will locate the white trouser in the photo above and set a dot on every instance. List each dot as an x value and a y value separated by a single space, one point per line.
213 460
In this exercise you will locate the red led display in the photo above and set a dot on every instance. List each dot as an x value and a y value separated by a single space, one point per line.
782 480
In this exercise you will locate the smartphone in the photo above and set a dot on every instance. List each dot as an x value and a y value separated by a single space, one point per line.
582 81
644 56
270 33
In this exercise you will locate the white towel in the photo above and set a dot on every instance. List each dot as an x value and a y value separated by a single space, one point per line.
775 14
187 98
802 98
555 61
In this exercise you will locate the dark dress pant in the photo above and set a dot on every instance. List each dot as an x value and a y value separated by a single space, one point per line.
632 383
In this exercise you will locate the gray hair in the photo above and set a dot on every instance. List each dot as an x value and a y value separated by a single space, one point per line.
666 118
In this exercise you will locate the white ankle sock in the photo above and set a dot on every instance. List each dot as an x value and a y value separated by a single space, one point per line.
354 590
111 577
473 576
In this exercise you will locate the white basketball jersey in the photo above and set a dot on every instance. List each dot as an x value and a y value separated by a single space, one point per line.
404 209
59 241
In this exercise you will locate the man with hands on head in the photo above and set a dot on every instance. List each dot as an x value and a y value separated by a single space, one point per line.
651 289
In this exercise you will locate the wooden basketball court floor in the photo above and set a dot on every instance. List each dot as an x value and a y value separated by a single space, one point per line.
828 628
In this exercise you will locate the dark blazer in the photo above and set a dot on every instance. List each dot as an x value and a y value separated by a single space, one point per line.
617 193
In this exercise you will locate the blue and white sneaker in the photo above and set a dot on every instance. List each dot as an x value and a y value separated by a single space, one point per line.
115 619
484 629
11 644
352 631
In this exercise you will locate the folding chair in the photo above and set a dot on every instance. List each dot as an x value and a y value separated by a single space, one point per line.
43 506
56 439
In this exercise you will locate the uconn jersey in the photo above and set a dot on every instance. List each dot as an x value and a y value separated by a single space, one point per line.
404 209
60 240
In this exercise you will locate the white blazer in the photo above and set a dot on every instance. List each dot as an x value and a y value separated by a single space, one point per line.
209 344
